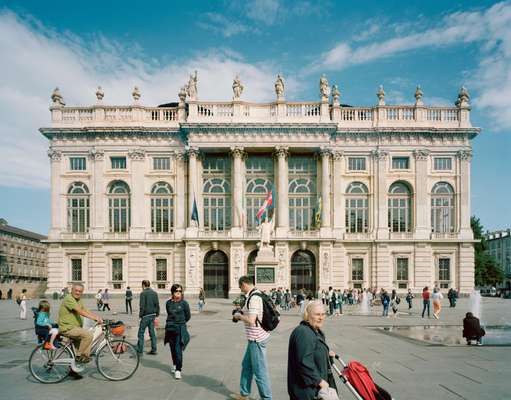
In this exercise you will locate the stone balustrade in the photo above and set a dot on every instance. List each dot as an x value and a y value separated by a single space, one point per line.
382 116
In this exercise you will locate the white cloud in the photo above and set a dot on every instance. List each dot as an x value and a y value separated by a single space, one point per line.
40 59
218 23
263 11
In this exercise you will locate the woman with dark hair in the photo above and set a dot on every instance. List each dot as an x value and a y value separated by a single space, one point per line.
176 334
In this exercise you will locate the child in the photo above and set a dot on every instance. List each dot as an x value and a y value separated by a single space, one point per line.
45 326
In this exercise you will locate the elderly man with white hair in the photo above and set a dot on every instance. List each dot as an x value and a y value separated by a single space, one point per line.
309 366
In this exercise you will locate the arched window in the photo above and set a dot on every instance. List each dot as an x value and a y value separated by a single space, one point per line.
251 264
256 192
302 192
400 207
78 208
357 210
442 208
217 204
119 206
162 207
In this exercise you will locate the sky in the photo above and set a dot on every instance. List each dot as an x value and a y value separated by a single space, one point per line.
359 45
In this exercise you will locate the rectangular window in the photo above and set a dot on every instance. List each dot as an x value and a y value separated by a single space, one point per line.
78 163
357 269
356 163
161 163
444 269
161 269
400 162
442 163
76 269
116 269
118 162
402 269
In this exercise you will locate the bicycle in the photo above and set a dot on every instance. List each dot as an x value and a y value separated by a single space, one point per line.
116 359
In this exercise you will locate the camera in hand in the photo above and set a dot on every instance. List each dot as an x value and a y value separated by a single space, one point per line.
236 311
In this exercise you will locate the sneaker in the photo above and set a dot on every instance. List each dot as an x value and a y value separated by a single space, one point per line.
469 342
152 353
74 375
177 374
49 346
83 359
237 396
173 369
479 344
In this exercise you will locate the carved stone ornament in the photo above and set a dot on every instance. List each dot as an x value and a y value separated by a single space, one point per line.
338 155
325 152
237 88
324 88
281 151
418 96
463 98
54 155
193 152
279 87
336 94
95 154
379 154
421 154
464 154
238 152
180 155
57 98
326 266
381 96
282 265
191 87
137 154
136 94
100 94
182 94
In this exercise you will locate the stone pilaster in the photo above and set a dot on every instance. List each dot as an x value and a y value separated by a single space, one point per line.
193 268
325 154
193 185
466 268
137 230
282 191
325 263
421 198
338 195
236 267
283 272
464 157
98 190
179 166
238 155
56 195
380 162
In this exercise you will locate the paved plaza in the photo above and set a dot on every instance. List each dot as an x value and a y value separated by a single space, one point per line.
409 369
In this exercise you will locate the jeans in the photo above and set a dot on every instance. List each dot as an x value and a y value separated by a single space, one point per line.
426 304
106 305
254 364
146 322
128 304
176 350
331 306
385 310
409 303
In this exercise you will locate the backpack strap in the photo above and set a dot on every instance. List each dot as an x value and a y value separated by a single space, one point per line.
259 294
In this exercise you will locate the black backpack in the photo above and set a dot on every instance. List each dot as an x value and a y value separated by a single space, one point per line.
271 317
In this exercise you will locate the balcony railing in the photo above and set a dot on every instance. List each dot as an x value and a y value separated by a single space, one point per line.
444 235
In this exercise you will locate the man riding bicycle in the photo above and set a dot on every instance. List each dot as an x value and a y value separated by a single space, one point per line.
71 324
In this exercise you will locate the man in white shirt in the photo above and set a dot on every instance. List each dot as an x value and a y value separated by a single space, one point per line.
254 362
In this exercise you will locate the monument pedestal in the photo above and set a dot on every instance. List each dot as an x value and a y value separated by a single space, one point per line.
266 268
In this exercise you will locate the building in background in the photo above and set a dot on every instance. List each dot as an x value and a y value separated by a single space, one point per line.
499 246
22 261
364 196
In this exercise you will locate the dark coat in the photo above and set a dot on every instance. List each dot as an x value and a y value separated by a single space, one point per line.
472 328
149 303
308 363
178 314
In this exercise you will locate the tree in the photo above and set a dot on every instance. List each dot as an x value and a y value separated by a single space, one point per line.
487 269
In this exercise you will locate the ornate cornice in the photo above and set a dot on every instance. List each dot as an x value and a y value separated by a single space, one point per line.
421 154
95 154
464 154
137 154
54 155
379 154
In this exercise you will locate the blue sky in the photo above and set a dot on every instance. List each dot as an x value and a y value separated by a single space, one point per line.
357 44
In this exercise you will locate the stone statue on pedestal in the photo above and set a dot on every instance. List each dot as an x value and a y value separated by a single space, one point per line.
266 228
237 88
324 88
279 87
191 88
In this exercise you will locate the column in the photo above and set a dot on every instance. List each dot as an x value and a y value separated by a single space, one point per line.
56 203
98 190
381 206
238 155
325 187
422 208
464 157
193 154
282 191
180 205
138 206
338 190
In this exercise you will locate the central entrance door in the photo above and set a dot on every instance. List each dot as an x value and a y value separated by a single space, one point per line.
216 274
303 271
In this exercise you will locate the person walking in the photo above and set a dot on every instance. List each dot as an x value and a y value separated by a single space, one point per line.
331 300
202 299
9 294
128 296
149 309
437 297
1 295
426 302
300 300
23 304
452 295
254 361
105 298
394 302
176 334
309 371
99 299
385 302
409 297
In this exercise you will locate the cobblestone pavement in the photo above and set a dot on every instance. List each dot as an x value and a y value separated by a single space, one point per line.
408 369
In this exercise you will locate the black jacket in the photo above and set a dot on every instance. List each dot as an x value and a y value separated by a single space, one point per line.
149 303
307 363
472 328
178 314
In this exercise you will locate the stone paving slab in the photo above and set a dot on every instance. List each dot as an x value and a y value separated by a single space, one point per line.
407 369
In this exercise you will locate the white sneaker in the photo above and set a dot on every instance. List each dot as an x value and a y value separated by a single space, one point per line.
177 374
173 369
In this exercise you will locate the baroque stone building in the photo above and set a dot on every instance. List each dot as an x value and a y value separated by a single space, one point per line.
365 196
499 246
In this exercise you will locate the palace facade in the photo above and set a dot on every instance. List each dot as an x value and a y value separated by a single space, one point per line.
365 196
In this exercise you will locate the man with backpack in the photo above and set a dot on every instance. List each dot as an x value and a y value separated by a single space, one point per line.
260 317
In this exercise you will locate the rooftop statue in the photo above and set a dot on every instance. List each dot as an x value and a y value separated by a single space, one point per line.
57 98
381 96
182 94
418 96
336 94
279 87
100 93
191 88
237 88
324 88
136 93
463 98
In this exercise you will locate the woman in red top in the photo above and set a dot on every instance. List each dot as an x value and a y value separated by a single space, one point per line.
426 301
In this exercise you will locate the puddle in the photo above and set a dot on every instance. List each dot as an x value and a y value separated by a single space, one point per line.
449 335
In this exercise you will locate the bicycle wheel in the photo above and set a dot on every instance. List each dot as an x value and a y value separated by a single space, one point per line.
117 360
50 366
